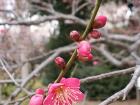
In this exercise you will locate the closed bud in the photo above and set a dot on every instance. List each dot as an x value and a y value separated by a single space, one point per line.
99 22
40 91
38 98
95 34
75 35
96 62
60 62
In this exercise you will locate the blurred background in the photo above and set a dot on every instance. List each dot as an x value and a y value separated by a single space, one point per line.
31 30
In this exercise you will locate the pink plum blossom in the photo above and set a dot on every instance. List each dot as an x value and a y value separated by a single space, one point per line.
38 98
84 51
64 93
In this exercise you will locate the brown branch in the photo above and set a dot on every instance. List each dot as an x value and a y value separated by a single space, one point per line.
107 75
10 81
109 56
12 78
123 37
123 93
48 18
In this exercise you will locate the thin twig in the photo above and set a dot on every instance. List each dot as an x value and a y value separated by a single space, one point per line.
12 78
31 75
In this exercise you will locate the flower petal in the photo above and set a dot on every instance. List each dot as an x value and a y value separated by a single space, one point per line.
71 82
49 100
77 95
54 86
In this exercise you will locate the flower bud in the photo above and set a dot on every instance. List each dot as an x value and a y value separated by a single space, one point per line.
60 62
96 62
99 22
37 99
95 34
90 57
40 91
84 51
75 35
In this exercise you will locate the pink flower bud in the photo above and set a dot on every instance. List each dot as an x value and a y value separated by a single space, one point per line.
95 34
40 91
37 99
99 22
90 57
75 35
84 51
60 62
96 62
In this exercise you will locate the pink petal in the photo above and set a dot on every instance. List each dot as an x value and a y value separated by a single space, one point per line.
71 82
83 52
49 100
54 86
77 95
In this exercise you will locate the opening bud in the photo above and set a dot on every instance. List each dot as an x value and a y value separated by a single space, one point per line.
84 51
40 91
95 34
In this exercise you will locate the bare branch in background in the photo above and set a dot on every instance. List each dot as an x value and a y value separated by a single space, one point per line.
12 78
107 75
124 92
31 75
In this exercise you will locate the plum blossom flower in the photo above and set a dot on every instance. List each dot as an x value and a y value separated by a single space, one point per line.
84 51
64 93
38 98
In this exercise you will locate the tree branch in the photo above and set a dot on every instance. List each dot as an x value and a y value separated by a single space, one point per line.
107 75
123 93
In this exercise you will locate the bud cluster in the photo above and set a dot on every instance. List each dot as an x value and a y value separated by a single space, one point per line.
83 46
99 22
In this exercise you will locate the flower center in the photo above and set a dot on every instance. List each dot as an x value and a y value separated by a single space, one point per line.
59 90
